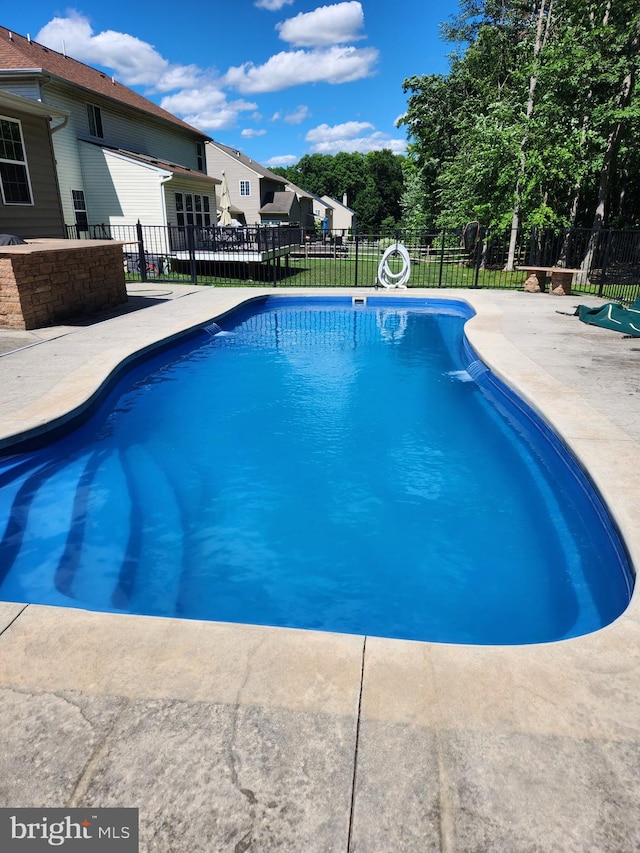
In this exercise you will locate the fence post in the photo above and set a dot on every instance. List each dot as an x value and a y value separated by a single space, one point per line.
444 232
605 261
355 273
274 260
191 248
533 254
142 260
479 250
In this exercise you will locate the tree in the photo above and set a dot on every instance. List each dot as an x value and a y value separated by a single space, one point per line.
372 182
536 122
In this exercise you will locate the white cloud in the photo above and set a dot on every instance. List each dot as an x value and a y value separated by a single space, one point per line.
282 160
349 137
296 116
249 132
327 25
206 108
348 130
198 95
333 65
136 62
272 5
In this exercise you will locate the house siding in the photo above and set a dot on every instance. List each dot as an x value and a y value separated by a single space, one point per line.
119 191
236 171
121 129
182 184
343 217
25 89
44 217
65 146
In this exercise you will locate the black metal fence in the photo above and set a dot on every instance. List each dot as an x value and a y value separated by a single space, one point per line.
469 257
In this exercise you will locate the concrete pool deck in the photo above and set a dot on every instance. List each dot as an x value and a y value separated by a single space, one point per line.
240 738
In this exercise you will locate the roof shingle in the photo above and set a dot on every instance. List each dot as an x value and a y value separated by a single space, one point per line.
19 54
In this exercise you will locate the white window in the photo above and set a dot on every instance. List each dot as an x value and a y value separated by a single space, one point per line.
14 172
94 116
80 210
193 209
245 188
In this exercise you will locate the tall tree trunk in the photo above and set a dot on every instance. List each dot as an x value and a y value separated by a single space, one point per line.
540 41
609 158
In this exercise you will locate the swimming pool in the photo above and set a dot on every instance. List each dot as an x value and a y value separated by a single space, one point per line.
319 465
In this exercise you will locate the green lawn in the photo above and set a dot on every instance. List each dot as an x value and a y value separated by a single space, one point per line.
342 272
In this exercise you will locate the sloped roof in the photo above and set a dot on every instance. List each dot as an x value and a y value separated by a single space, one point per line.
333 202
321 201
282 202
299 192
248 162
25 56
29 106
167 165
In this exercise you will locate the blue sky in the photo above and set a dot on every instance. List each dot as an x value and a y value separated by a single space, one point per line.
277 79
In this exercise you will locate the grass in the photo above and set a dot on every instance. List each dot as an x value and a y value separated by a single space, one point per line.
347 272
339 272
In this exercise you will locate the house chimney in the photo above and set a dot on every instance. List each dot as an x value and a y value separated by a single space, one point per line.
344 199
10 36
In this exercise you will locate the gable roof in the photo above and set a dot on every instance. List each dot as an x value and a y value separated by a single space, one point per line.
155 162
281 204
299 192
324 204
333 202
234 154
19 55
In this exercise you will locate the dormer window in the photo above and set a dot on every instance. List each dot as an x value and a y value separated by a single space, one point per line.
94 116
14 172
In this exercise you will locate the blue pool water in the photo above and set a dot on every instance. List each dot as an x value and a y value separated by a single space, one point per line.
314 464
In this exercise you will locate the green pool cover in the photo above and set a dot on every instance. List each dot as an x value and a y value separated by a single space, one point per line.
613 316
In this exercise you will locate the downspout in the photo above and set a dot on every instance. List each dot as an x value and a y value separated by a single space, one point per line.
164 180
63 124
65 120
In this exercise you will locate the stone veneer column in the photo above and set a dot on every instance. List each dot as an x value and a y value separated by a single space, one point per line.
42 285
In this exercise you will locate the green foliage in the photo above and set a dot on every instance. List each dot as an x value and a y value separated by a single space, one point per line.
373 183
538 116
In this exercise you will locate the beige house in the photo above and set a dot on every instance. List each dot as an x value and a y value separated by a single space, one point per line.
344 219
322 214
258 196
119 157
29 194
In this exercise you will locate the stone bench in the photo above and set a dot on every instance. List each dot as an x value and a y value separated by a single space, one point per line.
561 279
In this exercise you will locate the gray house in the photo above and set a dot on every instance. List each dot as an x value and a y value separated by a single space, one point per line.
29 195
119 157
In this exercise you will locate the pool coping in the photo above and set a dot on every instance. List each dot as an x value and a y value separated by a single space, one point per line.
580 690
